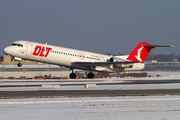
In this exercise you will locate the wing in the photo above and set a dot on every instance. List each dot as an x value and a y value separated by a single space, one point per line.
122 64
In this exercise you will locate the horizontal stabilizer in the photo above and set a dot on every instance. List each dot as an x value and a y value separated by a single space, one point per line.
153 46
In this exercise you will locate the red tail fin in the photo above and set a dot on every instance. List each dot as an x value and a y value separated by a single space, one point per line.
140 52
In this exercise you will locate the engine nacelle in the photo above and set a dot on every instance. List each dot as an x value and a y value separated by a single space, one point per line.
125 65
114 59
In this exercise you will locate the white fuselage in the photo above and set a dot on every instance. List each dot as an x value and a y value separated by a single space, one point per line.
62 56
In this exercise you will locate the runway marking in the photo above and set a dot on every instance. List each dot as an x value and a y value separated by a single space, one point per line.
89 101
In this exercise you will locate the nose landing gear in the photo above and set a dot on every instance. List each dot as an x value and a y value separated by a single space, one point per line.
19 64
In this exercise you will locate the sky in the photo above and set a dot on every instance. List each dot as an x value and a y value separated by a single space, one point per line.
102 26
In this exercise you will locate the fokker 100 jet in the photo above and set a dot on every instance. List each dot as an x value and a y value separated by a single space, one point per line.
78 59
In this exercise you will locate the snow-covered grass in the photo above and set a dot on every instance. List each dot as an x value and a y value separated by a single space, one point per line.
88 108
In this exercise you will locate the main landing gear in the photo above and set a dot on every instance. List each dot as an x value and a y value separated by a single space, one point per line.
90 75
73 75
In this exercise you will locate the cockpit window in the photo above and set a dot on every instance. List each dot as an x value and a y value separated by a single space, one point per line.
20 45
15 44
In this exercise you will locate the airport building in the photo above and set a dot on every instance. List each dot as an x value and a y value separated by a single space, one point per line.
33 70
30 69
6 59
165 66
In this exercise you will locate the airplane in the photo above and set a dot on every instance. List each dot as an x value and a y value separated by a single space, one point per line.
78 59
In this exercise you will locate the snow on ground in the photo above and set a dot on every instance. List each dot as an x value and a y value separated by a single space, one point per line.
101 108
88 108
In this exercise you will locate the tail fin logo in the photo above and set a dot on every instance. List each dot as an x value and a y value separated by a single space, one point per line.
138 56
140 52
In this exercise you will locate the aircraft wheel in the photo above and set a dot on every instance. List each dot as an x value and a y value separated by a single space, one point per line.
19 64
72 75
90 75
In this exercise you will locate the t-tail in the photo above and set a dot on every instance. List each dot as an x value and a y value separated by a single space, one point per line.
141 51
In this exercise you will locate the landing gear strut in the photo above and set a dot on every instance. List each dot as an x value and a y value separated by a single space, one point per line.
90 74
19 64
72 75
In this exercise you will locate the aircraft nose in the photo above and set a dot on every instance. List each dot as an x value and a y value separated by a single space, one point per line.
6 50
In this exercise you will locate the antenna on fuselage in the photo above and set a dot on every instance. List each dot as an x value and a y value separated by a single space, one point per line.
45 43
